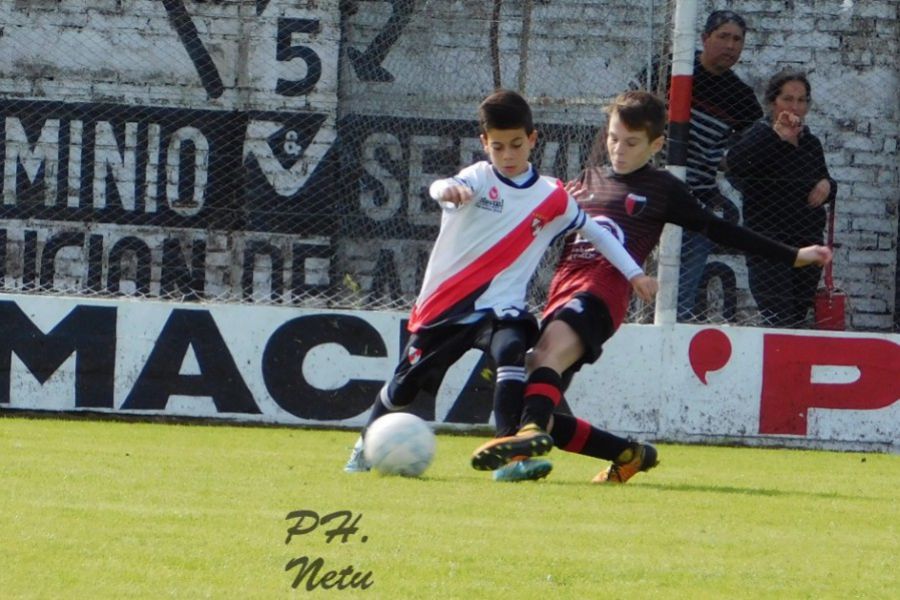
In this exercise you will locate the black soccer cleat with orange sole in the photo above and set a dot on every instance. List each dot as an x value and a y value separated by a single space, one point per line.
529 442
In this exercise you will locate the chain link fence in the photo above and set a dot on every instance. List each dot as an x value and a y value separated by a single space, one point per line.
276 151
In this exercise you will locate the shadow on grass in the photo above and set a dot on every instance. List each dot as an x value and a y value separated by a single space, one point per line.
727 489
663 487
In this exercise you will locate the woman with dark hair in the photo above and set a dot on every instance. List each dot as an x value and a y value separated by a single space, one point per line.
779 167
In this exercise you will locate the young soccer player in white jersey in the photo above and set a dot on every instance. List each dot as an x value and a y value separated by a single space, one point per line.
498 218
588 298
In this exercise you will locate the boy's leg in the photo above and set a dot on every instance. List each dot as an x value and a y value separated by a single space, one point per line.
357 462
510 340
543 392
509 343
628 457
572 336
559 348
423 363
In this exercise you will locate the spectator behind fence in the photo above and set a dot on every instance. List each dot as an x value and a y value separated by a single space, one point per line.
722 106
779 167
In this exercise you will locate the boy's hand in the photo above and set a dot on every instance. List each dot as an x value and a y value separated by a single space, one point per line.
645 287
577 190
457 194
813 255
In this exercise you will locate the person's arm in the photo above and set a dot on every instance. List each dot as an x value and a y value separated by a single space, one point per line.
608 245
825 188
450 192
602 239
453 192
685 211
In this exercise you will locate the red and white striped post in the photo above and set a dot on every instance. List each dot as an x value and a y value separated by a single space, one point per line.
683 44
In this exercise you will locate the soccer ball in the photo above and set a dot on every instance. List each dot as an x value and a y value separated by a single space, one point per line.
399 444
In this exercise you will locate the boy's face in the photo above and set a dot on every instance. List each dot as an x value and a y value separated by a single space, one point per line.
629 150
509 149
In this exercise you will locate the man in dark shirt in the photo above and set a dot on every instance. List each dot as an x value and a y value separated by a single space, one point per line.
722 107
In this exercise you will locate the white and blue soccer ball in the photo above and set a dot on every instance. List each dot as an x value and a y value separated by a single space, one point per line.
399 444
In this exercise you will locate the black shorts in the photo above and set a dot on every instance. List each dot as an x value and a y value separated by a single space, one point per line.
589 317
431 351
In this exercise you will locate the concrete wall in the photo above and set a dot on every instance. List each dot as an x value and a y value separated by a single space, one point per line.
277 151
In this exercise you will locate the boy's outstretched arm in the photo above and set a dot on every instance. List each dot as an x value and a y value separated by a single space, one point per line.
813 255
451 192
608 245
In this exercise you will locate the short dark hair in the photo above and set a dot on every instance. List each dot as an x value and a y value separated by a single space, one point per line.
505 109
717 18
640 111
773 88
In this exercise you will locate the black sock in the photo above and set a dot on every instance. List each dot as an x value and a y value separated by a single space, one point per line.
508 393
542 395
577 435
378 409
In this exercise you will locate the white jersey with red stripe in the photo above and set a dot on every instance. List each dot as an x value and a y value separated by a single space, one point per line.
488 249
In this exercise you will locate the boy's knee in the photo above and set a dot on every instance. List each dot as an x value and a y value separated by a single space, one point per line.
536 358
395 395
510 354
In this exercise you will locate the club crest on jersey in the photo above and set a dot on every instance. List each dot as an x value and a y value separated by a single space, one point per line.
634 204
537 223
413 355
493 202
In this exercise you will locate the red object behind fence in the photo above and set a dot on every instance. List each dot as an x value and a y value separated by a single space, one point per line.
831 304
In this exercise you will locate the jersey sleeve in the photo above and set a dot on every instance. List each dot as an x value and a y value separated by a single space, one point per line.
685 211
473 177
682 208
610 246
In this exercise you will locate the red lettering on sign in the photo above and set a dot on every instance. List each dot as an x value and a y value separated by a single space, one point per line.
788 391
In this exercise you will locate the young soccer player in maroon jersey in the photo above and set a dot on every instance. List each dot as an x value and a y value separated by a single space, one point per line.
588 297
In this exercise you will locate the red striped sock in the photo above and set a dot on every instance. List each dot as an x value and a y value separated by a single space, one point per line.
543 393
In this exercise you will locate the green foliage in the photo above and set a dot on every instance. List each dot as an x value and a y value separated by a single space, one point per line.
111 509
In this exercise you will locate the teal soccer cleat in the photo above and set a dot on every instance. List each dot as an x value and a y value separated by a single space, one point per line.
529 469
357 462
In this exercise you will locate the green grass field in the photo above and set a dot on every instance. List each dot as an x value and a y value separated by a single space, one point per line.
110 509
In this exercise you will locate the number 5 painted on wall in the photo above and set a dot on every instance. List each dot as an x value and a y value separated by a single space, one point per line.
285 51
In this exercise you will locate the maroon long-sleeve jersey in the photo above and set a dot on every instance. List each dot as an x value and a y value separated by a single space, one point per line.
635 207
